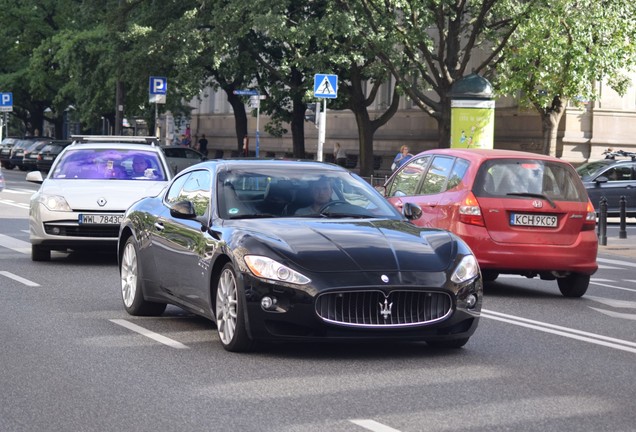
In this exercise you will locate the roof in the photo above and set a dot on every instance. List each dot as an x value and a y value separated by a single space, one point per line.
115 139
490 154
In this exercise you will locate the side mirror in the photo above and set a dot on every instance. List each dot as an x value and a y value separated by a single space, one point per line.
601 179
411 211
34 177
183 210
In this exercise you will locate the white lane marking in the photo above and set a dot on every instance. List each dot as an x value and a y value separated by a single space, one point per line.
616 262
606 267
612 286
615 314
612 302
14 204
15 244
149 334
629 280
602 280
373 425
19 279
19 191
593 338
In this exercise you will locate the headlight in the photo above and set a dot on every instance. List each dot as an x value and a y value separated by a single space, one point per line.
54 202
466 270
267 268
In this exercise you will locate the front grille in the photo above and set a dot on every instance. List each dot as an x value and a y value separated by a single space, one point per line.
369 309
101 231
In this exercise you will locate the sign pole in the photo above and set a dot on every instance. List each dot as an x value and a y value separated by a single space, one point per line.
157 128
258 116
322 130
3 119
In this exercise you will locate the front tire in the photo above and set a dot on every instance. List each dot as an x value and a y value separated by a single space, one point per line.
131 286
40 253
574 285
230 320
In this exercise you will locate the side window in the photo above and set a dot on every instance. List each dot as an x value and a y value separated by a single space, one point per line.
618 173
458 172
437 175
406 180
174 193
197 190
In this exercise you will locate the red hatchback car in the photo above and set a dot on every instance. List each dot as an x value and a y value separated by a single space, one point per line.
521 213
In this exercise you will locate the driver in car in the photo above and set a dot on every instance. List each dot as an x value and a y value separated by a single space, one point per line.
321 192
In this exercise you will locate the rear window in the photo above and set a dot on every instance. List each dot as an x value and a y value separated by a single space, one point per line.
506 178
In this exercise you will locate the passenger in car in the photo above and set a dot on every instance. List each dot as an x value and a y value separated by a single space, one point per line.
141 168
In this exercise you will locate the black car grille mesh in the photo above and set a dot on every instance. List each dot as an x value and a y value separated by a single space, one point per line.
101 231
374 309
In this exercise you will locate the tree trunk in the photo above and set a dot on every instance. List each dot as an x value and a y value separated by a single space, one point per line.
240 118
550 119
298 129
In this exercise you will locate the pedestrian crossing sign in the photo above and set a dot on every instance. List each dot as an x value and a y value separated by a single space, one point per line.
325 86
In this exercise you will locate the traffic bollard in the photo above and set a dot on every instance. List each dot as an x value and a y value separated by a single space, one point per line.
602 222
622 203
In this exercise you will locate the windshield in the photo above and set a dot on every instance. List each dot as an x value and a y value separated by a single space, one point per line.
113 164
590 168
263 193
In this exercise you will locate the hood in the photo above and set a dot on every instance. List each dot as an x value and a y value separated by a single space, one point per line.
118 194
366 245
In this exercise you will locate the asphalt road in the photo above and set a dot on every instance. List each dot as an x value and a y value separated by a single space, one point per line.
73 360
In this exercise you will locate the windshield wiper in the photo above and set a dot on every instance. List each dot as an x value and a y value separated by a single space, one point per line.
534 195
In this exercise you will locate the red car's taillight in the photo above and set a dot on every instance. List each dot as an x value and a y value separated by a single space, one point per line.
469 211
590 217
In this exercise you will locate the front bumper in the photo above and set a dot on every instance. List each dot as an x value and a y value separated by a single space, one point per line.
295 316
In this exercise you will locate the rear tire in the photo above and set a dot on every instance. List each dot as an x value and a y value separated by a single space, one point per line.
489 275
40 253
574 285
131 287
448 344
229 312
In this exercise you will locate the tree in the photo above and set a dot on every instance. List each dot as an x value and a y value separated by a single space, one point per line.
429 45
559 53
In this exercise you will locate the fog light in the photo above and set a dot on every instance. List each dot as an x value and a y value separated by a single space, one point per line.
56 231
268 303
471 301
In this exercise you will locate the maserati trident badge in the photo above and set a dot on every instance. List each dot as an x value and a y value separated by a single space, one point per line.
385 309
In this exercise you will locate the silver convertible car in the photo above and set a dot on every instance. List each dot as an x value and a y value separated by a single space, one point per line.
274 250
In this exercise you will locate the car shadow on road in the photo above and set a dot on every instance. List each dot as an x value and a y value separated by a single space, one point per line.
106 257
502 289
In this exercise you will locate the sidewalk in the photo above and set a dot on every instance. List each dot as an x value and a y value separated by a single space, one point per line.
617 246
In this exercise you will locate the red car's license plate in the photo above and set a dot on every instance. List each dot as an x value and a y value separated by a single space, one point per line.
533 220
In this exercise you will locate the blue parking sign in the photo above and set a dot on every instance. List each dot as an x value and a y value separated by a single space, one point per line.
158 85
6 102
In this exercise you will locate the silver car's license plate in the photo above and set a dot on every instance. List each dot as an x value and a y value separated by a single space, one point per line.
101 219
533 220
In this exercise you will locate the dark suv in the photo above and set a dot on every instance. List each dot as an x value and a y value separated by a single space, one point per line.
612 178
